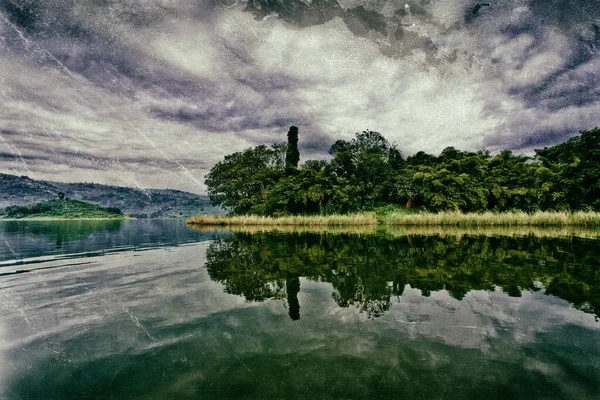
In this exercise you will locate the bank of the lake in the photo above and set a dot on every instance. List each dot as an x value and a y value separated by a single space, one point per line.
517 218
588 219
123 218
360 219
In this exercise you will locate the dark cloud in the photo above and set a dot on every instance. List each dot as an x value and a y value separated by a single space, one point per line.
5 156
532 140
98 54
361 21
315 142
477 10
570 88
214 120
566 15
272 83
156 77
26 15
300 13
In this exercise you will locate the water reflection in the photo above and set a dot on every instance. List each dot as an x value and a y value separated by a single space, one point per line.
292 287
154 324
369 271
22 241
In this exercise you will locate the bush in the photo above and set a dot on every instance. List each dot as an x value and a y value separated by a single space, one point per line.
114 210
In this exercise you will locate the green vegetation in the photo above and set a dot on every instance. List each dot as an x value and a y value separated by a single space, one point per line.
62 209
412 230
368 173
509 218
293 220
585 219
292 154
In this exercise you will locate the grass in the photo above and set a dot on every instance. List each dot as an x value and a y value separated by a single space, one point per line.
361 219
348 229
516 219
425 219
408 230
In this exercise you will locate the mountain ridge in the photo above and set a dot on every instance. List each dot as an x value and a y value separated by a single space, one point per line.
138 203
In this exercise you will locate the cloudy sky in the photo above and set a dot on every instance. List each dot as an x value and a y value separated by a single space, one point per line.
152 93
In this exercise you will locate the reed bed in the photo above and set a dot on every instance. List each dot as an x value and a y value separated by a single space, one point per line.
541 218
413 230
362 219
357 230
486 219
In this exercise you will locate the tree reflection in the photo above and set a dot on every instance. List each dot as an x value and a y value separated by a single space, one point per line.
368 271
292 286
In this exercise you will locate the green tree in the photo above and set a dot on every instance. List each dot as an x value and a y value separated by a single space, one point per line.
368 163
315 165
454 182
570 177
239 182
292 155
311 191
512 182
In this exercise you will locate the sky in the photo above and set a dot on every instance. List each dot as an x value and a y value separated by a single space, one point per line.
152 93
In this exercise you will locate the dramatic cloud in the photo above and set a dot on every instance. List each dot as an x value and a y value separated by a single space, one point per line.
153 92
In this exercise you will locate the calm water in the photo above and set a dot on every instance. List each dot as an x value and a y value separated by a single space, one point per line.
157 310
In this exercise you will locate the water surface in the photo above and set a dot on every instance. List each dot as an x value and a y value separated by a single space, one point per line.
43 240
295 315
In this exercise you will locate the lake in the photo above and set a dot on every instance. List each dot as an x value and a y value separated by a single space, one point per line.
153 309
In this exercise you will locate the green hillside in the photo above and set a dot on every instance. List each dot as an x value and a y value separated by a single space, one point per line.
136 202
62 209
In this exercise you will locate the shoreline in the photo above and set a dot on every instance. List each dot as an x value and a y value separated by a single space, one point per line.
407 231
362 219
587 219
66 219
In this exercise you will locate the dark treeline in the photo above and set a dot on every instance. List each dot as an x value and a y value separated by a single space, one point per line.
368 172
368 271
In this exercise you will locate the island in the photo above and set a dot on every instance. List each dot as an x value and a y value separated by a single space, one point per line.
61 209
367 181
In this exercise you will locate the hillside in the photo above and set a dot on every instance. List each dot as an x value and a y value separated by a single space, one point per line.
63 209
138 203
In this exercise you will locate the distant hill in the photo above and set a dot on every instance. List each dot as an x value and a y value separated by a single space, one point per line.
67 209
138 203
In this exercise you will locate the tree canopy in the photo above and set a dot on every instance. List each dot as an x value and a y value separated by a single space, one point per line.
241 180
368 171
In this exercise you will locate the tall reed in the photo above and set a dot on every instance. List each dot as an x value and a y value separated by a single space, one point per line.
297 220
447 218
358 230
516 218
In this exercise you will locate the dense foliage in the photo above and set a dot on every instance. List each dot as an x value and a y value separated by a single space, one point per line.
369 172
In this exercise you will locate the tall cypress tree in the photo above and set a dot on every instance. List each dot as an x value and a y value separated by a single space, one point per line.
292 155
